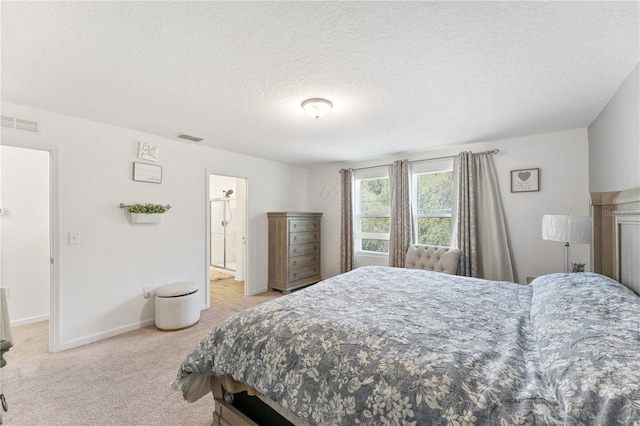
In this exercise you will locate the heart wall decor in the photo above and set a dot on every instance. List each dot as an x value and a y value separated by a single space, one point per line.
524 176
525 180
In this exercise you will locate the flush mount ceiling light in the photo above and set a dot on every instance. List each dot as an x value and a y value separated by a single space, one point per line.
316 107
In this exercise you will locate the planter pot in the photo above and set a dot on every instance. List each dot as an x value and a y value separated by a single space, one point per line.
146 217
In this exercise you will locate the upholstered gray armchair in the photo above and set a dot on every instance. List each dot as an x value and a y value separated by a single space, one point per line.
433 258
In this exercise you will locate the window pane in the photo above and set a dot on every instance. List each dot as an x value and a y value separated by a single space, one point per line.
434 230
374 196
380 246
434 193
375 224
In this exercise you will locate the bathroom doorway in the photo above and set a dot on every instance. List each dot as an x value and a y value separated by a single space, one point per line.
227 237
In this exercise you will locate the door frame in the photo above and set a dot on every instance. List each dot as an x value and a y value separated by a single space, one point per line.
54 235
207 242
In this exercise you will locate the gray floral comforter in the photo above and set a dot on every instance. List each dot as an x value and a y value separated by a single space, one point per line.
395 346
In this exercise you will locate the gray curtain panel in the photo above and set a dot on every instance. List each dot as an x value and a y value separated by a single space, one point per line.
481 231
346 220
400 226
466 215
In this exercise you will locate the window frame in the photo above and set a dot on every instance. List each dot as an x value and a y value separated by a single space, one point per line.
381 172
427 167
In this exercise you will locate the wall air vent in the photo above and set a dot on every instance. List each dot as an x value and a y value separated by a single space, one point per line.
189 138
20 124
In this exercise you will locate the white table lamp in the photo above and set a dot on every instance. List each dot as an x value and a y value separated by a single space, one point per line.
567 228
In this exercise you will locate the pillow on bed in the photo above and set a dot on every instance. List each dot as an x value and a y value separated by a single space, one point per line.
433 258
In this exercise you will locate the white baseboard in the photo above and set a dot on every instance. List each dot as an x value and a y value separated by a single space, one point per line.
110 333
105 334
30 320
257 291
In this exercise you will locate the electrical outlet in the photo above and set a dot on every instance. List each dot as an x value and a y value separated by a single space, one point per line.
74 238
146 291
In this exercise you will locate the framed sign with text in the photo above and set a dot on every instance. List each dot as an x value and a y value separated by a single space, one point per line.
147 173
525 180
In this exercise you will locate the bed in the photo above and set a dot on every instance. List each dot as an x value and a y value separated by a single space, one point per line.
398 346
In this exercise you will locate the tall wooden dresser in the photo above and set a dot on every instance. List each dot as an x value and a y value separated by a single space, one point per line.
294 250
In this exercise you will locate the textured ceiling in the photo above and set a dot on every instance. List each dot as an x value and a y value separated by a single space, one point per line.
403 76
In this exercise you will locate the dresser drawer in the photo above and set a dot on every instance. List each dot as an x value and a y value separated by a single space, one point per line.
300 273
304 237
303 249
304 225
300 261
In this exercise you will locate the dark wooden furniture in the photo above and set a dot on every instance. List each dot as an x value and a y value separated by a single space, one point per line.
294 250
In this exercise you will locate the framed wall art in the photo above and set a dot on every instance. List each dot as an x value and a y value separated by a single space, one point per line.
147 173
146 151
525 180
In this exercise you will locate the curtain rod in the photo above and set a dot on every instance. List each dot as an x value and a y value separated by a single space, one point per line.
491 151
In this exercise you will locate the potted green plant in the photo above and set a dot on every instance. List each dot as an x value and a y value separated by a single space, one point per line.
577 267
146 213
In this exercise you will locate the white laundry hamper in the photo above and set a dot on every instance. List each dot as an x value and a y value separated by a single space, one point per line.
177 306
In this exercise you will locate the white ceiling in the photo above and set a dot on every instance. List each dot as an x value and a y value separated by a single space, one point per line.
403 76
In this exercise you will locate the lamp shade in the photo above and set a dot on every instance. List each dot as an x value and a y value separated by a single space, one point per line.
566 228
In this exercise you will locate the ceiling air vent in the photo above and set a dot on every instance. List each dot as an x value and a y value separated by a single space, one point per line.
20 124
189 138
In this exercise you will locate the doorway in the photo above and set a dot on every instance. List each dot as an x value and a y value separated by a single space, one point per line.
227 237
26 240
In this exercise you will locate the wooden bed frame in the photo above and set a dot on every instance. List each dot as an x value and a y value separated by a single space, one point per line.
228 412
615 253
616 236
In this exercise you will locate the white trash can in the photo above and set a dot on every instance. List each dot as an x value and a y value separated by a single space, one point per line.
177 306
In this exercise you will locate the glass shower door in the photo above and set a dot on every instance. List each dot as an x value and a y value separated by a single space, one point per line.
223 234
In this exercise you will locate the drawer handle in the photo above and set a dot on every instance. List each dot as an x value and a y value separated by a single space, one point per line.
315 236
295 262
315 270
295 275
295 250
295 225
295 237
315 259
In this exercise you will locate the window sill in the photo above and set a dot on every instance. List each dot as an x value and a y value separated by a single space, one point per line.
371 254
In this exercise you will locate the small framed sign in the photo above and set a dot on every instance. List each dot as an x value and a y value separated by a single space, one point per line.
147 173
525 180
146 151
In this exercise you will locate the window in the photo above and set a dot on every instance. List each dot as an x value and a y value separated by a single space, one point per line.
432 195
372 210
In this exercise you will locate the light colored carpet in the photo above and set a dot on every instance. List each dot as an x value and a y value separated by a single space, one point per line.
123 380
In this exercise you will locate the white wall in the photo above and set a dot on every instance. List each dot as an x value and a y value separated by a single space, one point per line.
25 266
563 161
100 280
614 140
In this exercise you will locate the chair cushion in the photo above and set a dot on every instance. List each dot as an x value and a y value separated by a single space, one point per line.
433 258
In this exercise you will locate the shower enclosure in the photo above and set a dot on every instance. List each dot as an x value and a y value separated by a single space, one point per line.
223 232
